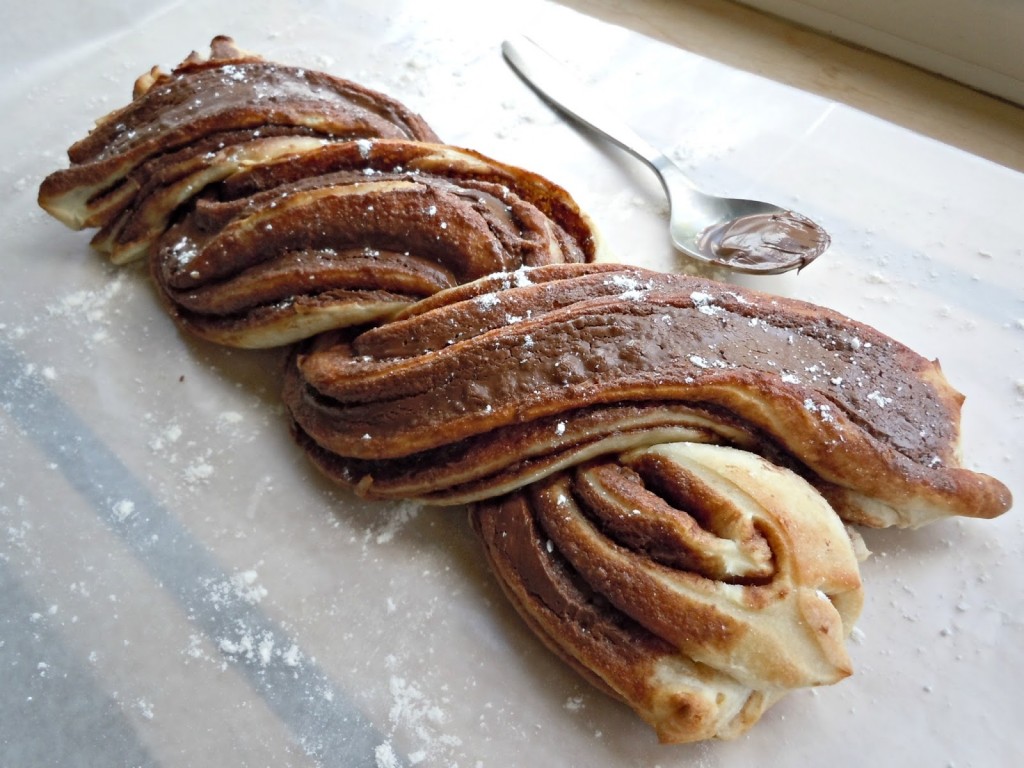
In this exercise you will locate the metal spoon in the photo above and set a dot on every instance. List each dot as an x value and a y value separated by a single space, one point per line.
742 235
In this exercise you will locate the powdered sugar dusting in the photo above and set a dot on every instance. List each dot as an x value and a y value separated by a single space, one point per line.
488 300
632 289
879 399
385 757
241 586
699 361
824 410
195 455
521 277
704 302
364 146
123 509
241 638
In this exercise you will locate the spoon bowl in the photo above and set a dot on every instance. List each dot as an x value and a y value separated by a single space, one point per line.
742 235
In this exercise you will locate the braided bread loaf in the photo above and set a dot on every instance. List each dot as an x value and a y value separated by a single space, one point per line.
659 467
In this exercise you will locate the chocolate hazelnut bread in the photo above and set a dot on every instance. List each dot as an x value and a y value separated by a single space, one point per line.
660 468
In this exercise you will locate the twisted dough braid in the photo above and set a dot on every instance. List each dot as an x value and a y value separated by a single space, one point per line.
198 124
352 233
658 466
698 583
493 385
275 202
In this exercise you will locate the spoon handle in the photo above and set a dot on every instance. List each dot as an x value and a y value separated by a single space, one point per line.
742 235
550 79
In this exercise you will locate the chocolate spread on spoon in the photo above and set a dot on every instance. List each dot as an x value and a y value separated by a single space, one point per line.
768 240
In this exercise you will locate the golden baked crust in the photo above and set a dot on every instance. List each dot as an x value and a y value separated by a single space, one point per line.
698 583
494 385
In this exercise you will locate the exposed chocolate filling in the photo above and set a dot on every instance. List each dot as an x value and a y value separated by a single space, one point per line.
230 91
410 218
663 599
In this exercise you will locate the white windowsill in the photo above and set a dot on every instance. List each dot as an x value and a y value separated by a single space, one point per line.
976 42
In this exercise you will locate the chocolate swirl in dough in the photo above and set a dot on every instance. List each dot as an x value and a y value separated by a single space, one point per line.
198 124
698 583
499 383
352 233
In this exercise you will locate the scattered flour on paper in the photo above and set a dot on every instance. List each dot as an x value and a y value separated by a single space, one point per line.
165 437
123 510
385 756
196 456
241 586
395 517
574 703
145 708
238 642
91 309
166 442
416 720
199 470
